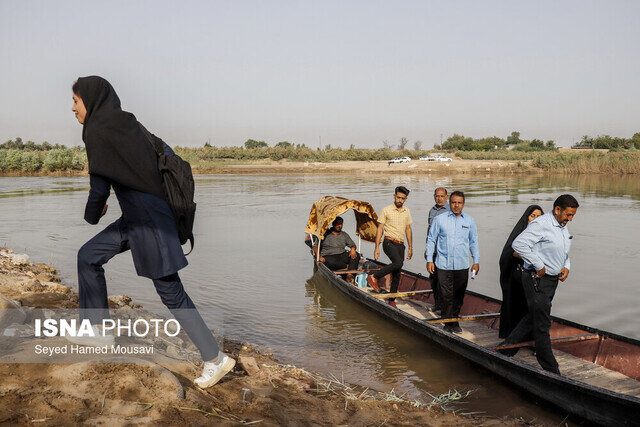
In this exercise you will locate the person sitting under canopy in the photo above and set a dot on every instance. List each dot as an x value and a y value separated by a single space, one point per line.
332 249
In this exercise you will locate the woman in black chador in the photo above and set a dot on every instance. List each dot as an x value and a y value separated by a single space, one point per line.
121 157
514 303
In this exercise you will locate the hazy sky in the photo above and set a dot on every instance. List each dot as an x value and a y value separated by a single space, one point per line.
353 72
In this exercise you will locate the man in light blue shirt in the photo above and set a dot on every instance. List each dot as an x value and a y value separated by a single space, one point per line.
453 235
544 246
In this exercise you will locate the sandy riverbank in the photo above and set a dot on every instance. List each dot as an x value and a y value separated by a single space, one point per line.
372 167
457 167
259 390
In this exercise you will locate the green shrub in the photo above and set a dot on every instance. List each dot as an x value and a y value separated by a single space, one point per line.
31 161
65 159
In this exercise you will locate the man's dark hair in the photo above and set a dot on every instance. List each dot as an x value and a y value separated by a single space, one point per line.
338 220
439 188
75 88
457 193
403 190
566 201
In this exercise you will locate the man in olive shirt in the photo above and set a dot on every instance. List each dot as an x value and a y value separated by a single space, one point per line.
395 223
332 249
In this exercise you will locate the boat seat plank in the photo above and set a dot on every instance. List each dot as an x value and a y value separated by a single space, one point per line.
479 333
426 308
410 309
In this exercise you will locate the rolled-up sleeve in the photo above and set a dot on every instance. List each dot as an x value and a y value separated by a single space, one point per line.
98 195
474 246
523 244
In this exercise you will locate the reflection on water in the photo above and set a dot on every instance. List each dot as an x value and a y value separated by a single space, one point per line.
251 275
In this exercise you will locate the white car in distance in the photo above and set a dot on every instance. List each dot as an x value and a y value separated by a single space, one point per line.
400 160
436 159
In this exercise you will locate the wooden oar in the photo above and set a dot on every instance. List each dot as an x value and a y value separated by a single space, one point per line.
464 318
571 338
353 271
402 294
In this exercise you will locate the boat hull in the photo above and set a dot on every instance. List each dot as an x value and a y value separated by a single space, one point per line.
595 404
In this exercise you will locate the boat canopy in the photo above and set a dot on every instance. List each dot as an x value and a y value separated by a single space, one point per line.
325 210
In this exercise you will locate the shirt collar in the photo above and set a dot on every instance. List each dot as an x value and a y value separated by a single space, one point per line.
462 215
402 209
435 207
554 221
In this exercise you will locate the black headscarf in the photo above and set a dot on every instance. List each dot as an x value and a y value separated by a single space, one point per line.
116 146
507 260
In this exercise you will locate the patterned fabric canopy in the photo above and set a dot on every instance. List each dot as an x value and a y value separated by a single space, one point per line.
325 210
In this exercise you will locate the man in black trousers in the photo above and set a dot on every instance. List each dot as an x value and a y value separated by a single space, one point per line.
544 246
453 236
395 223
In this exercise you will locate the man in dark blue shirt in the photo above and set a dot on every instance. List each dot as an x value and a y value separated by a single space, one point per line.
441 206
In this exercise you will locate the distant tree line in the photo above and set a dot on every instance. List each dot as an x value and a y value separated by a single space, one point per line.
18 144
251 143
493 143
609 142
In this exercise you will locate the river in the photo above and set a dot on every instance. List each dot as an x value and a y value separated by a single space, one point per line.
251 275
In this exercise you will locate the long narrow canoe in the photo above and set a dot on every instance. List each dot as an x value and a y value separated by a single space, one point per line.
600 379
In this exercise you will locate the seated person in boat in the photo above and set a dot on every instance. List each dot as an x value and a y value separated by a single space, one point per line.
332 249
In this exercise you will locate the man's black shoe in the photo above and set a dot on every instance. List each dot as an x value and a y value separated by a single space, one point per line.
456 329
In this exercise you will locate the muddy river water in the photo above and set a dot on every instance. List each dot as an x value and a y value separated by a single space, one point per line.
252 277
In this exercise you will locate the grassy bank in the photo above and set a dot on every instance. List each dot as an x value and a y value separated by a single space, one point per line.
578 162
616 163
199 155
56 160
220 159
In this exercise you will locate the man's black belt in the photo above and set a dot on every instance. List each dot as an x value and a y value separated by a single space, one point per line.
535 272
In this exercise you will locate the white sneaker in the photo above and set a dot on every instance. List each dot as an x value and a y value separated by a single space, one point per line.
98 340
214 371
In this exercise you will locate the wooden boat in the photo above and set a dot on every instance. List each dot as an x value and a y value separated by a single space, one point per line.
600 379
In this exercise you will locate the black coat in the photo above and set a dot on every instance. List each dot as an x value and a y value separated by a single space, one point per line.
121 157
148 223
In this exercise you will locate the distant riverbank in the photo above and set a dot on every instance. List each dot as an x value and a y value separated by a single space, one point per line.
212 160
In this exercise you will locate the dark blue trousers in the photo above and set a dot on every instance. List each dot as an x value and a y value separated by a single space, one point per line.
93 288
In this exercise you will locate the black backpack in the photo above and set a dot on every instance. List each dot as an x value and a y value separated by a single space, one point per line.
179 188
